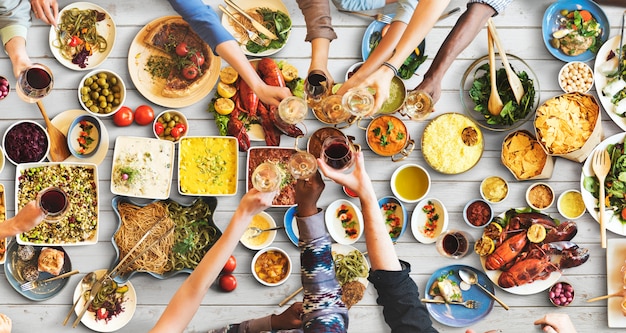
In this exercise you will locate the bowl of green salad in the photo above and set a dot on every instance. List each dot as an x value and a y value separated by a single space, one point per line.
476 89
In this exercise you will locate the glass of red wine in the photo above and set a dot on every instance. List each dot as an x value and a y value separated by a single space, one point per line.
34 83
453 244
339 153
53 202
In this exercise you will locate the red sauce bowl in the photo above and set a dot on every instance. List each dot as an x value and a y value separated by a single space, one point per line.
477 213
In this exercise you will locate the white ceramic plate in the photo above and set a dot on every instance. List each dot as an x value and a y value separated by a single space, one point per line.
525 289
601 80
345 249
611 219
151 161
249 4
419 218
116 322
106 28
271 235
63 120
334 224
615 260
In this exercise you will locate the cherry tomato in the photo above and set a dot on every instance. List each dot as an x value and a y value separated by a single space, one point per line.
182 127
75 41
624 214
190 72
102 313
228 282
144 115
123 117
181 49
230 265
159 128
197 58
175 132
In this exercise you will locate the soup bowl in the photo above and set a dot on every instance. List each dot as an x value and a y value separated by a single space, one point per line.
410 183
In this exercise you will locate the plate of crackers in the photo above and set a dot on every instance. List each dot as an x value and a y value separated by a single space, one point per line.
524 157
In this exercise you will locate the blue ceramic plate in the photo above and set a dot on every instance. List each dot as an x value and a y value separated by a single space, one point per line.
377 26
210 201
291 227
550 24
458 315
400 212
43 292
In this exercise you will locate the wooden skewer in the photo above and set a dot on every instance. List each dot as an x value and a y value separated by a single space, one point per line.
619 293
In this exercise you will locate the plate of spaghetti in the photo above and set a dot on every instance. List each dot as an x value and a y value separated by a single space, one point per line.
84 38
174 253
272 14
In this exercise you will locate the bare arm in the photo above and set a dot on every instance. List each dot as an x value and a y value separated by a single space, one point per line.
188 297
465 30
381 251
27 218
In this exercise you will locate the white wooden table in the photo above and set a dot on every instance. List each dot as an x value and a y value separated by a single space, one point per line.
520 28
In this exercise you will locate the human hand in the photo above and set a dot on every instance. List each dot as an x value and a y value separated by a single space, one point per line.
27 217
256 201
289 319
307 193
358 180
5 323
431 87
380 81
556 322
272 95
46 10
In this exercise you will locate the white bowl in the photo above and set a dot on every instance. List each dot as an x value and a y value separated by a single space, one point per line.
20 147
491 197
528 194
261 220
279 258
419 219
181 120
576 76
344 210
117 102
477 202
564 196
409 174
74 133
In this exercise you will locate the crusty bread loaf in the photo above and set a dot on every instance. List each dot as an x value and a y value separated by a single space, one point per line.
51 261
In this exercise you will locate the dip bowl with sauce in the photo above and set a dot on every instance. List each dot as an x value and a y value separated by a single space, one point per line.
571 204
262 221
83 137
494 189
388 136
410 183
540 196
271 266
477 213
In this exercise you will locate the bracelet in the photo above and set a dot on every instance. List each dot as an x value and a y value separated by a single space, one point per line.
392 67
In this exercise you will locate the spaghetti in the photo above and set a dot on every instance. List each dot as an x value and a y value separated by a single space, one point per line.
349 267
77 35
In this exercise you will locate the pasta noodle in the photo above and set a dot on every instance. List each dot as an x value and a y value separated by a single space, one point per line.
349 267
243 34
136 221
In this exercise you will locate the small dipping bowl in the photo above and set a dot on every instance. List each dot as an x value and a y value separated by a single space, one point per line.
576 76
261 220
571 204
561 294
271 266
540 196
83 136
477 213
26 141
494 189
102 83
410 183
170 121
5 87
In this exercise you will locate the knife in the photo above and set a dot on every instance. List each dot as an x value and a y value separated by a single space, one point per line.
92 295
258 26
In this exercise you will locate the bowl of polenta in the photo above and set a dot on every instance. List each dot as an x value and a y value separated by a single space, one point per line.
207 166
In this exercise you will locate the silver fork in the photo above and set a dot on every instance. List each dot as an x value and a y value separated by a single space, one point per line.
253 36
378 16
34 284
470 304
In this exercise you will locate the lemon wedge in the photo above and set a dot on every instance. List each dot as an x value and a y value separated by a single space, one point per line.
536 233
561 33
228 75
226 90
224 106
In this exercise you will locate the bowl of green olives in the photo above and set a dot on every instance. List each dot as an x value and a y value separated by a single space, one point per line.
101 92
170 125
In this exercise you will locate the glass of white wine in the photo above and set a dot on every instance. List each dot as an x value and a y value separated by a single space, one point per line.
359 102
292 110
267 177
302 165
418 105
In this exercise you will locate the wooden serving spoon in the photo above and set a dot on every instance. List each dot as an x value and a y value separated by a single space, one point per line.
59 150
514 80
495 103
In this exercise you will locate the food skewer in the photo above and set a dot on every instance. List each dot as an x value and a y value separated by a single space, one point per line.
617 294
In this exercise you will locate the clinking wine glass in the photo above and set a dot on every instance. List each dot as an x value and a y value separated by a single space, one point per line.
53 202
359 102
315 88
267 177
418 105
34 83
292 110
333 111
339 153
302 165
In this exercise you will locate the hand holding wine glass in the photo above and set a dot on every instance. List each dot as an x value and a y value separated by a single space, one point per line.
267 177
292 110
34 83
338 152
359 102
302 165
53 202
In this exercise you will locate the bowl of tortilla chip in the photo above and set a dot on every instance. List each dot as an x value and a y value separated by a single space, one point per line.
524 157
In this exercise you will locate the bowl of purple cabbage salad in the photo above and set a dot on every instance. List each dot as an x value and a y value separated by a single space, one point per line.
26 141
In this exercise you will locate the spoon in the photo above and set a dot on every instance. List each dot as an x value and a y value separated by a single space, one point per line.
58 141
514 80
470 277
85 284
254 231
495 102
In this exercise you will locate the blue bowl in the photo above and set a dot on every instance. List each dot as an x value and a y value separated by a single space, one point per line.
291 227
400 212
77 127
